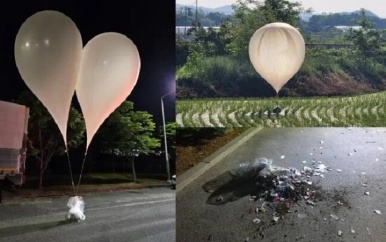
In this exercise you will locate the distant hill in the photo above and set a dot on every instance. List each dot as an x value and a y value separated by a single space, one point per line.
228 10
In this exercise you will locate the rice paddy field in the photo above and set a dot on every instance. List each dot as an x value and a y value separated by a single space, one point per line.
357 111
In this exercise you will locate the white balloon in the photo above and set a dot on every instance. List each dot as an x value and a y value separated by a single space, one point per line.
277 51
48 50
109 71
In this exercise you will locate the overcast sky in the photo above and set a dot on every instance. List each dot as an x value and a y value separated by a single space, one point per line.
319 6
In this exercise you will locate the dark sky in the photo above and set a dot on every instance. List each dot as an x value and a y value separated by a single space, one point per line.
148 23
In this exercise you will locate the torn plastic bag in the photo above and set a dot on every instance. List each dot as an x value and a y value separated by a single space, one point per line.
76 205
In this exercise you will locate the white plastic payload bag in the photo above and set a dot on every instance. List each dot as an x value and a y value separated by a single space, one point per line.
76 205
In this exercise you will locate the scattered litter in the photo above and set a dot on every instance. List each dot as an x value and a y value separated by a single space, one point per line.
353 172
352 231
321 168
368 231
376 159
257 221
367 193
334 217
321 142
301 215
307 169
377 212
340 233
309 182
338 170
282 157
252 198
304 162
364 184
340 203
275 219
350 154
311 153
363 173
309 202
257 210
320 147
321 175
325 219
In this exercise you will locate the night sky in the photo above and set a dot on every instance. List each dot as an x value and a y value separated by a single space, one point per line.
148 23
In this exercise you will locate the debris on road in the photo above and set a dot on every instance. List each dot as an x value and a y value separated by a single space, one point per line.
367 193
300 215
377 212
340 233
334 217
257 221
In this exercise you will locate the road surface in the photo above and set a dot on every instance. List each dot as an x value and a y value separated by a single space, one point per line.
145 215
357 156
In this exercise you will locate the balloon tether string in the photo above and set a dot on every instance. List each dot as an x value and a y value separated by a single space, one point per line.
69 165
81 172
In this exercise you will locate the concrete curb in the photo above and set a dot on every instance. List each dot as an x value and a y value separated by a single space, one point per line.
193 173
47 198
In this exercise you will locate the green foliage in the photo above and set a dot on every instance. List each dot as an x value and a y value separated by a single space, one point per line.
251 15
186 16
319 22
44 137
126 131
220 74
367 40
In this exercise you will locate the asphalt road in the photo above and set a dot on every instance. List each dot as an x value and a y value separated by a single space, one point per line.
145 215
358 153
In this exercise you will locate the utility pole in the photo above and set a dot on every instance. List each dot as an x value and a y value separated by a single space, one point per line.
196 11
186 16
166 143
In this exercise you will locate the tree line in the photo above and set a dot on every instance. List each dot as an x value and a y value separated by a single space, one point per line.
125 133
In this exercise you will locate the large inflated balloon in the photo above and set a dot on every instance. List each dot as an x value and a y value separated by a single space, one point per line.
48 51
277 52
109 71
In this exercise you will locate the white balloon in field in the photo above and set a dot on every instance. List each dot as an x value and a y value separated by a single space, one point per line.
109 71
277 51
48 51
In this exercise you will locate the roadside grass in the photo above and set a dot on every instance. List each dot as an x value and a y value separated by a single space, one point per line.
362 110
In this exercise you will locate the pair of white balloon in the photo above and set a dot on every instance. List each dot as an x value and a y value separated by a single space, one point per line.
54 65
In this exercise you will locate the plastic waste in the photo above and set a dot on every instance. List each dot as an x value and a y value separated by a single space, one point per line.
340 232
256 221
76 205
334 217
